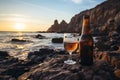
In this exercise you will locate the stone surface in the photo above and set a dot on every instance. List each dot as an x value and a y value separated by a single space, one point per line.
39 36
11 68
18 40
57 40
3 54
56 69
48 64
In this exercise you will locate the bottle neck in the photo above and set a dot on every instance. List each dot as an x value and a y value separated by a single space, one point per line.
86 26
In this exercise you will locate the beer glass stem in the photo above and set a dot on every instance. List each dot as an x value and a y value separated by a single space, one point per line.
70 57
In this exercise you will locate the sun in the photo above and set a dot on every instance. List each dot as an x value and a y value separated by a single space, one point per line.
20 26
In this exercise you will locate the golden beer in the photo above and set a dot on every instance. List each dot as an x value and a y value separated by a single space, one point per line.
70 46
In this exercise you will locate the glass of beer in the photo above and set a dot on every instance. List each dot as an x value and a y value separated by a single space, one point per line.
70 44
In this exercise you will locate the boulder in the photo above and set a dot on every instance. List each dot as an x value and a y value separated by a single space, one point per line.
117 73
3 54
41 55
57 40
114 48
102 46
18 40
39 36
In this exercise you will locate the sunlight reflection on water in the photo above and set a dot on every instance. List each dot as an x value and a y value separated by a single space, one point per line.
21 49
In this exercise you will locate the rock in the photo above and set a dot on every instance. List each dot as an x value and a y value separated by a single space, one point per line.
104 19
56 27
18 40
15 71
97 78
56 69
6 77
115 34
114 48
57 40
102 38
39 36
11 68
117 73
46 51
41 55
4 54
102 46
48 64
61 52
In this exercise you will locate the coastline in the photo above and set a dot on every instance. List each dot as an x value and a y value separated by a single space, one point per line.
105 50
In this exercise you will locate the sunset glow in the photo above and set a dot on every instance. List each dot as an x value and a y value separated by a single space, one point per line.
19 26
39 15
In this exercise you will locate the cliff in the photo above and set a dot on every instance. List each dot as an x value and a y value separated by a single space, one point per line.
105 17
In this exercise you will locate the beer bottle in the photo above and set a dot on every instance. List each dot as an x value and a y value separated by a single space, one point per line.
86 43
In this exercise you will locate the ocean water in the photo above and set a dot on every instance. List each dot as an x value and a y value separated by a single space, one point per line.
21 49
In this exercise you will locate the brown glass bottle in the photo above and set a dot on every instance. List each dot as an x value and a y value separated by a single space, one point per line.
86 43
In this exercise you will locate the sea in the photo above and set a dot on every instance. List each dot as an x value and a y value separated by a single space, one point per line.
21 49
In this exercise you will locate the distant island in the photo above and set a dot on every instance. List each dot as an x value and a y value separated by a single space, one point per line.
105 19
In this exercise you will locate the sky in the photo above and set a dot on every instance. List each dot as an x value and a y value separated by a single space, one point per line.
39 15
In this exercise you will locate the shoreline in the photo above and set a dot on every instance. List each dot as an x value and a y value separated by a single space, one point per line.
13 68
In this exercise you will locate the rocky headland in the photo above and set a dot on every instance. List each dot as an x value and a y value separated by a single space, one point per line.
105 19
56 27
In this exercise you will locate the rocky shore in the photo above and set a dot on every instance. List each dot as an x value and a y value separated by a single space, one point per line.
48 64
11 68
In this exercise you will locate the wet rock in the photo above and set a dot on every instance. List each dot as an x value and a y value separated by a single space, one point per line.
4 54
56 69
41 55
14 68
97 78
57 40
33 53
36 59
114 48
48 64
113 42
102 46
18 40
117 73
61 52
102 38
6 77
9 69
15 71
115 34
46 51
39 36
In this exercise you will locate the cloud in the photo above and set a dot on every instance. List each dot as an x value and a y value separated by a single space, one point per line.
92 1
11 15
77 1
43 8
